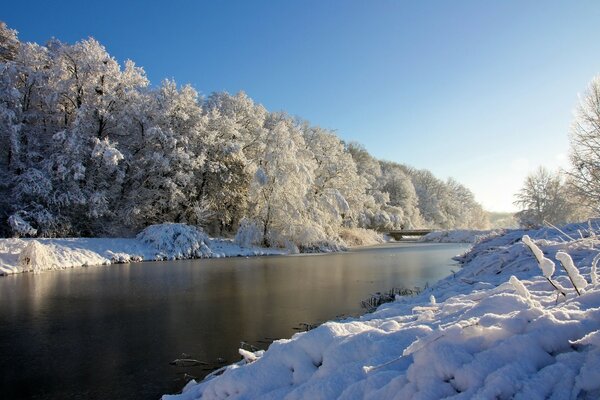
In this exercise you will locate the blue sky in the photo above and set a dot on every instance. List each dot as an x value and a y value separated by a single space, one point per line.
481 91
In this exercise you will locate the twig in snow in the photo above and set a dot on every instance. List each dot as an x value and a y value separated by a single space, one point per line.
558 229
575 277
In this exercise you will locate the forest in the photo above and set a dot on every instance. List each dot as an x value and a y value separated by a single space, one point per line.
89 148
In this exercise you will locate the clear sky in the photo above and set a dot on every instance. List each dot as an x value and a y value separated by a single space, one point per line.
483 91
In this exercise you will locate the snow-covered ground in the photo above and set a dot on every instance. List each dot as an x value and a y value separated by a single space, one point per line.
459 236
496 329
158 242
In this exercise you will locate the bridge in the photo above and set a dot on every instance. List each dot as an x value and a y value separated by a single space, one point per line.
398 235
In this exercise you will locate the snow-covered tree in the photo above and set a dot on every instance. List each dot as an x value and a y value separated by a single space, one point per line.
338 191
585 147
402 194
546 198
165 166
235 141
279 186
9 43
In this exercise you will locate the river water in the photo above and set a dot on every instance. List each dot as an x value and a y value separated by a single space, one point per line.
111 332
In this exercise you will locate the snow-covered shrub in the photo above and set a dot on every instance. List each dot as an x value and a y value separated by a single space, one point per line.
37 257
20 227
360 236
176 241
249 233
307 236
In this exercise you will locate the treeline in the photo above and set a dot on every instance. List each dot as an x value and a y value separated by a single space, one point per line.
88 148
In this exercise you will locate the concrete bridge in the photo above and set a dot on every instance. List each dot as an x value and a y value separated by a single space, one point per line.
398 235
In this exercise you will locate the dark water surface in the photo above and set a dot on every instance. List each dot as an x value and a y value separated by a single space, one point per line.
110 332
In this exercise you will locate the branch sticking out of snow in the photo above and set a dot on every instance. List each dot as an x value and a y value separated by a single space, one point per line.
575 277
546 265
593 274
250 356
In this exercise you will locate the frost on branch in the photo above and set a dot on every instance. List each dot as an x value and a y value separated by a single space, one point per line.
21 227
546 265
176 241
578 281
108 153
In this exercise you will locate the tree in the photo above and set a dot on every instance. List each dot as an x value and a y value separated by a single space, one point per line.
585 147
402 194
545 198
281 180
235 139
9 43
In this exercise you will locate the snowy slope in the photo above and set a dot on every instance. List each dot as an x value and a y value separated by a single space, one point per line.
495 329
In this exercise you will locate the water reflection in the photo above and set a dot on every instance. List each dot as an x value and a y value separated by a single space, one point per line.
110 332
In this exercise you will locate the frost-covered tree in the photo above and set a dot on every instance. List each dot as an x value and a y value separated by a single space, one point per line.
462 209
546 198
371 215
585 147
87 147
279 186
235 142
9 43
338 191
166 166
402 194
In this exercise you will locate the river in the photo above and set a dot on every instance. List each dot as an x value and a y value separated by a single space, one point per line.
111 332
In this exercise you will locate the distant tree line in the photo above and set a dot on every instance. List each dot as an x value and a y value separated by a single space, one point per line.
88 148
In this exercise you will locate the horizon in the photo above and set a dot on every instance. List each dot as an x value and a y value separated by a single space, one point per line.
480 93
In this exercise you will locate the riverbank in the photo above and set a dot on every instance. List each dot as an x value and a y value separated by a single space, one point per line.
497 328
168 242
155 243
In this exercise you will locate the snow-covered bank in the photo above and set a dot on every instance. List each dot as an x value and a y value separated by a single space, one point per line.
168 241
458 236
495 329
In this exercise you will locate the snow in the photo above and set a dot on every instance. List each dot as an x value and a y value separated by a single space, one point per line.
495 329
157 242
176 240
458 236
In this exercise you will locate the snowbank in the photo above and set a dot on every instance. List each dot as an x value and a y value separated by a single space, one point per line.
360 237
157 242
495 329
458 236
